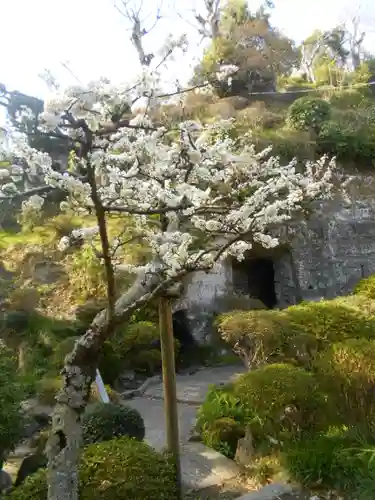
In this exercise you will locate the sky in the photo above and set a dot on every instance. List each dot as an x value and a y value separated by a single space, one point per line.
93 38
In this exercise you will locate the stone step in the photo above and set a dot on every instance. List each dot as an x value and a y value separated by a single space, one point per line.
202 467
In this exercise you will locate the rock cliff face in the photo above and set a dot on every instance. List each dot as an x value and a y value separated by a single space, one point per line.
327 256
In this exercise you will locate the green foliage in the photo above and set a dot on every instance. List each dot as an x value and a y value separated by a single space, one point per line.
347 141
346 370
366 287
87 275
126 469
349 99
121 469
308 113
330 321
220 402
284 400
295 334
33 488
223 436
60 352
334 459
11 395
286 142
134 348
47 389
106 421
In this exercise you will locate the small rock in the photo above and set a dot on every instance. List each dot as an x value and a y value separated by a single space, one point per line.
5 481
195 437
245 449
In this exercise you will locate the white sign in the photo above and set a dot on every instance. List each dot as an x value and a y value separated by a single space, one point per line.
101 388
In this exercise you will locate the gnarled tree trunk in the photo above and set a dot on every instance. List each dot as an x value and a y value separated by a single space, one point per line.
79 373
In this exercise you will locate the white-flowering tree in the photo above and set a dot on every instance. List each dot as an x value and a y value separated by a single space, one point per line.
195 195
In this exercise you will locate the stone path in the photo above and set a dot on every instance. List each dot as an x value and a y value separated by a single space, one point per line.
202 467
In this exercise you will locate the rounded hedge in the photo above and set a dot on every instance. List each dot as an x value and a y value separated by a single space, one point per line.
121 469
366 287
346 370
308 113
281 398
106 421
296 334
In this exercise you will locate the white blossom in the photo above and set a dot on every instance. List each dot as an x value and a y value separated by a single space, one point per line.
225 71
4 174
205 183
32 206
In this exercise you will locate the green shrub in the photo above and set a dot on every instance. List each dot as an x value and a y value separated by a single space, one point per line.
121 469
347 141
11 395
349 99
347 372
136 348
261 336
33 488
61 350
330 321
295 334
309 113
286 142
47 389
332 460
366 287
220 402
282 400
106 421
223 436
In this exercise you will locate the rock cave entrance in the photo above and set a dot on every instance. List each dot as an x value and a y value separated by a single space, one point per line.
181 330
256 277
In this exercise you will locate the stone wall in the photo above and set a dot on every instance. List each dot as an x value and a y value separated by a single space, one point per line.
328 255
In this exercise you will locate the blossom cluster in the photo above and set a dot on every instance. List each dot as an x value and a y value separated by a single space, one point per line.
195 199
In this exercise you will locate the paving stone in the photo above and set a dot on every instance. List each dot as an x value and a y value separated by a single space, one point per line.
272 491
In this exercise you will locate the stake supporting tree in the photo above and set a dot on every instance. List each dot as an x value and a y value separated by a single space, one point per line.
169 382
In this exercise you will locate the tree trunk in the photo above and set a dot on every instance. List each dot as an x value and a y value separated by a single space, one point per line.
79 372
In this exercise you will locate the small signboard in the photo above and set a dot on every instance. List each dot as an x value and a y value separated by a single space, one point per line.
101 388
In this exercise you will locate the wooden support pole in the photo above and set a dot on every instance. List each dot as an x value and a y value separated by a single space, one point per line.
169 383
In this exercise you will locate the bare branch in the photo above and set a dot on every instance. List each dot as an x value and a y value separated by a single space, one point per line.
138 30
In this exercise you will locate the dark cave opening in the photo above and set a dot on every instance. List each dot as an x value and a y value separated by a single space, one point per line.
181 330
256 278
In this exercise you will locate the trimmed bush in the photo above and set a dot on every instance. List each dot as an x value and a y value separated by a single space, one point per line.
260 337
296 334
281 400
366 287
332 460
121 469
223 436
106 421
309 113
330 320
347 372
